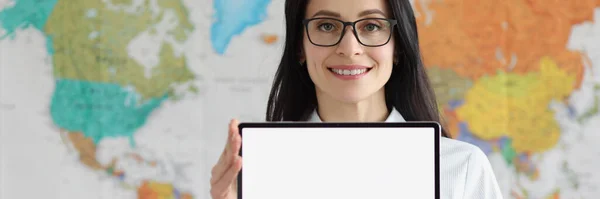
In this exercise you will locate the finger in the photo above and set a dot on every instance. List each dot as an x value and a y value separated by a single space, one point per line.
225 184
230 134
223 153
224 187
229 153
219 172
236 144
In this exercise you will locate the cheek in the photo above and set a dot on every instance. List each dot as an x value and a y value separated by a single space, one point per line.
314 54
383 56
315 58
314 61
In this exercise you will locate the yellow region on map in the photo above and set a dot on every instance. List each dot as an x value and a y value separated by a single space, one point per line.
475 38
156 190
516 106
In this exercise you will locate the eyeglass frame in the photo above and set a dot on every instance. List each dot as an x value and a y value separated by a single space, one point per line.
393 22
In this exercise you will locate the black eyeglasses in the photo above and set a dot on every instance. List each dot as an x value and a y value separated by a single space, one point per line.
371 32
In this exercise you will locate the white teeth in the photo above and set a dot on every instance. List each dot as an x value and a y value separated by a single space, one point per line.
349 72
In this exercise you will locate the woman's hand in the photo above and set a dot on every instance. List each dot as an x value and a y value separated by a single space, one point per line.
224 174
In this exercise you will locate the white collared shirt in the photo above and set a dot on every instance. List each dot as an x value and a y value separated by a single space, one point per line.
465 171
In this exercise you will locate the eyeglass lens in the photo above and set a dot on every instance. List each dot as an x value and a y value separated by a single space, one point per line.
371 32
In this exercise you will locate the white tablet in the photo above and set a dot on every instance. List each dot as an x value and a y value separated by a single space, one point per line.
339 160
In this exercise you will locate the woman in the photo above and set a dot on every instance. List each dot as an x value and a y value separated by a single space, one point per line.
371 70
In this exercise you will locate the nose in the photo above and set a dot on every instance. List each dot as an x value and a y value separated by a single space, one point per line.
349 45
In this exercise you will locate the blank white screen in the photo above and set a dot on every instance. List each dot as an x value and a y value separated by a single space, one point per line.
338 163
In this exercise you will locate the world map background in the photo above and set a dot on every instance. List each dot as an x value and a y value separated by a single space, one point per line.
131 98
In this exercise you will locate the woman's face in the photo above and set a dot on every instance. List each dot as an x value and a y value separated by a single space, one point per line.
349 71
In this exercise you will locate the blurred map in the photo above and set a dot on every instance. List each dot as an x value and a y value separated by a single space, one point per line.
131 98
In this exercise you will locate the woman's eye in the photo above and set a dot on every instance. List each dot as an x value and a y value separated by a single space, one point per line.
371 27
326 27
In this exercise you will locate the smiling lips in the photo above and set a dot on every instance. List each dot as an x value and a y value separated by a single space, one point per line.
349 72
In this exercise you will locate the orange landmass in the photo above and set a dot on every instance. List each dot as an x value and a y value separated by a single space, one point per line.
525 167
477 38
555 195
156 190
451 122
146 192
186 196
269 39
86 148
118 173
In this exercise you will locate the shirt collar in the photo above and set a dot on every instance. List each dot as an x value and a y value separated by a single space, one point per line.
394 116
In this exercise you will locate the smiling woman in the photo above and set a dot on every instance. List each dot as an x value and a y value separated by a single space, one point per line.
351 61
332 46
358 61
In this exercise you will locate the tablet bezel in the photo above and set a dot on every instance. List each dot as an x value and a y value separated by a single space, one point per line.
435 125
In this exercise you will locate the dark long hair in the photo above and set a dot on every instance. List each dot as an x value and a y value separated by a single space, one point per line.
293 96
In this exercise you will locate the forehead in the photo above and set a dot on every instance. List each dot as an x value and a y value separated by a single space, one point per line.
348 9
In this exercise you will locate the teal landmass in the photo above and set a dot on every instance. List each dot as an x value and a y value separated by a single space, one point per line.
99 110
508 151
25 14
232 17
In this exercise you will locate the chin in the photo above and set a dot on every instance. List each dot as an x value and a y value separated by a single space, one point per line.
351 95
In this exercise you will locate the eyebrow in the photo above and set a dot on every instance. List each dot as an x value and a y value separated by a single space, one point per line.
327 13
371 11
361 14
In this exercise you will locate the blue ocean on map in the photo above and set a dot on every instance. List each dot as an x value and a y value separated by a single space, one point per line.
232 17
25 14
467 136
99 110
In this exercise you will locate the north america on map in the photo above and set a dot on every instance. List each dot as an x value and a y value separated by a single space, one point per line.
131 98
108 81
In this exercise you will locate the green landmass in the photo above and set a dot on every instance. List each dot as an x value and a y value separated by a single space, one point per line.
448 85
90 42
